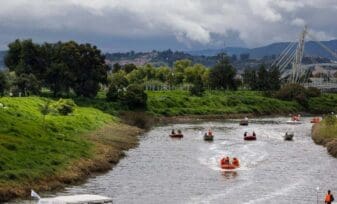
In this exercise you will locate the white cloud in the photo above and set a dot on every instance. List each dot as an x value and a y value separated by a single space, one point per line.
257 22
298 22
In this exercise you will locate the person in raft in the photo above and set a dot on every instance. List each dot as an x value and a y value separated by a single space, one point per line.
172 132
254 134
236 161
329 198
245 134
225 160
209 132
179 131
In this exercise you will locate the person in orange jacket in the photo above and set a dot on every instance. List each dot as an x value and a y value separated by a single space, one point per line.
329 198
236 162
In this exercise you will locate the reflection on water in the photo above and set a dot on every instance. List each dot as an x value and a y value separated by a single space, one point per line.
229 174
166 170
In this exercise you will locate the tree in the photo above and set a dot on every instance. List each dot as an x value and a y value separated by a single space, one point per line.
3 83
250 79
274 79
262 79
87 67
25 57
129 68
162 74
135 97
198 87
58 78
116 67
27 84
117 86
223 75
181 65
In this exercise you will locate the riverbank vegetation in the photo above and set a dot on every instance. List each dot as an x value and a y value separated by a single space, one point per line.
325 133
172 103
37 146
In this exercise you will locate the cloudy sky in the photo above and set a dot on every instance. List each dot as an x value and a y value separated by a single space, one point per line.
123 25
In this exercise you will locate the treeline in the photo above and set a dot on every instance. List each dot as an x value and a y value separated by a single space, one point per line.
184 72
60 67
69 68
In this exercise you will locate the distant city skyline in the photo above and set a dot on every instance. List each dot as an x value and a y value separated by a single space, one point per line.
144 25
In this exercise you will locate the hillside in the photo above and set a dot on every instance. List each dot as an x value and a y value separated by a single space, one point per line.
157 58
46 154
310 49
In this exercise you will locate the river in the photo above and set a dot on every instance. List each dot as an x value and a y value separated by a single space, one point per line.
165 170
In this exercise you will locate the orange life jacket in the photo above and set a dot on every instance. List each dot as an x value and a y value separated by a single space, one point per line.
328 198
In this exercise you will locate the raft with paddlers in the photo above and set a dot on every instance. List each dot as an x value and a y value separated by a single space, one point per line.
208 136
315 120
225 163
288 136
176 135
249 137
295 119
244 121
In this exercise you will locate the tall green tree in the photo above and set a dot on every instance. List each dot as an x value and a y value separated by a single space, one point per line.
26 57
263 79
27 84
3 83
274 79
222 75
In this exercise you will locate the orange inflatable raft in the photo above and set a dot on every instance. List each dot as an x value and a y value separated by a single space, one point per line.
226 164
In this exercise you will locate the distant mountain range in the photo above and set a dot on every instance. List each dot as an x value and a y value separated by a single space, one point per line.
311 48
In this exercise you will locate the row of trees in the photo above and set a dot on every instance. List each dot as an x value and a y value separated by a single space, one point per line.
221 76
60 67
81 68
262 79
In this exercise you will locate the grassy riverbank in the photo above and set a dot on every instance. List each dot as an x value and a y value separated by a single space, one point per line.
44 154
173 103
326 135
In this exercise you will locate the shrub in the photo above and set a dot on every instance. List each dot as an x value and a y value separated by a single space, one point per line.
135 97
64 106
313 92
330 120
116 91
290 92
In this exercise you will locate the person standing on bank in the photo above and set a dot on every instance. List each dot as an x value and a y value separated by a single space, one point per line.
329 198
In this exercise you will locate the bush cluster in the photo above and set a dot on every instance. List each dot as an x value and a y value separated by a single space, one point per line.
298 93
64 106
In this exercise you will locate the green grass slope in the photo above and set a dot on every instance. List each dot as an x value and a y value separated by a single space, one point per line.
30 150
216 102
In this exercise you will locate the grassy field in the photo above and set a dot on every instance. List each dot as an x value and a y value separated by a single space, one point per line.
216 102
31 149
